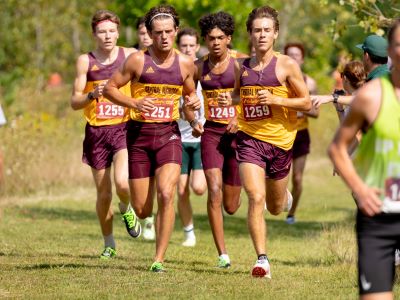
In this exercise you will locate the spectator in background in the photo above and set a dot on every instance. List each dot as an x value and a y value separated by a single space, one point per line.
192 173
375 56
144 40
301 146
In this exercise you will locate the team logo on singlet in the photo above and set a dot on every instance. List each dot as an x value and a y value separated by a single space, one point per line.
245 74
206 78
149 70
94 68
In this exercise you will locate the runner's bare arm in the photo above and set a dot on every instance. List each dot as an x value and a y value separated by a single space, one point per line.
324 99
129 71
78 99
367 197
288 71
189 88
314 111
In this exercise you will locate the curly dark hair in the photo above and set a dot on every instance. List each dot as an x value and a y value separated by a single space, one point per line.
165 11
221 20
262 12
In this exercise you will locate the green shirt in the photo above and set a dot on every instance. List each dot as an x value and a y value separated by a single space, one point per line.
377 159
380 71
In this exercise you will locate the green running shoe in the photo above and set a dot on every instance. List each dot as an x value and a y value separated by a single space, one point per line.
157 267
108 253
132 223
224 262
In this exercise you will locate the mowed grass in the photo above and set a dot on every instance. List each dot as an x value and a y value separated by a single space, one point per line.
50 246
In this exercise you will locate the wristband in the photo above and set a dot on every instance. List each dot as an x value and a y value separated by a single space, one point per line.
193 123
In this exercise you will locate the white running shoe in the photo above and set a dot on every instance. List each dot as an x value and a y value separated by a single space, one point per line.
149 232
189 242
397 257
261 269
289 201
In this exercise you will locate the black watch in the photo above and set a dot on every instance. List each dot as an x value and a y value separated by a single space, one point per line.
335 97
90 95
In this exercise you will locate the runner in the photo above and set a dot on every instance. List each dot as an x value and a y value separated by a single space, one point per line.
145 41
105 142
192 173
216 74
159 76
301 146
374 177
267 126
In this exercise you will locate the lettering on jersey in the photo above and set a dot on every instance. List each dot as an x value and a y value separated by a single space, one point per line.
393 169
149 70
165 90
211 94
206 78
383 146
94 68
253 91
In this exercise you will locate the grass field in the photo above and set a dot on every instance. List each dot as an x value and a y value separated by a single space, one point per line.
51 241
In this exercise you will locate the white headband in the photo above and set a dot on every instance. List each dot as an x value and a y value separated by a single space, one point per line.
162 14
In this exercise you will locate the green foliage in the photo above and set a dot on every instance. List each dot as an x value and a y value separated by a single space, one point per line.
41 143
41 37
374 15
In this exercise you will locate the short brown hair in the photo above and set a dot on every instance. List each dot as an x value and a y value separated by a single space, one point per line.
187 31
295 45
103 15
355 73
262 12
164 11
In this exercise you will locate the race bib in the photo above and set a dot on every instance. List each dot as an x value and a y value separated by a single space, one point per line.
391 203
162 111
221 113
253 111
107 110
392 189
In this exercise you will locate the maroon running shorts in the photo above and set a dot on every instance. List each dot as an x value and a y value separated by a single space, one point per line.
152 145
218 150
275 161
101 143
